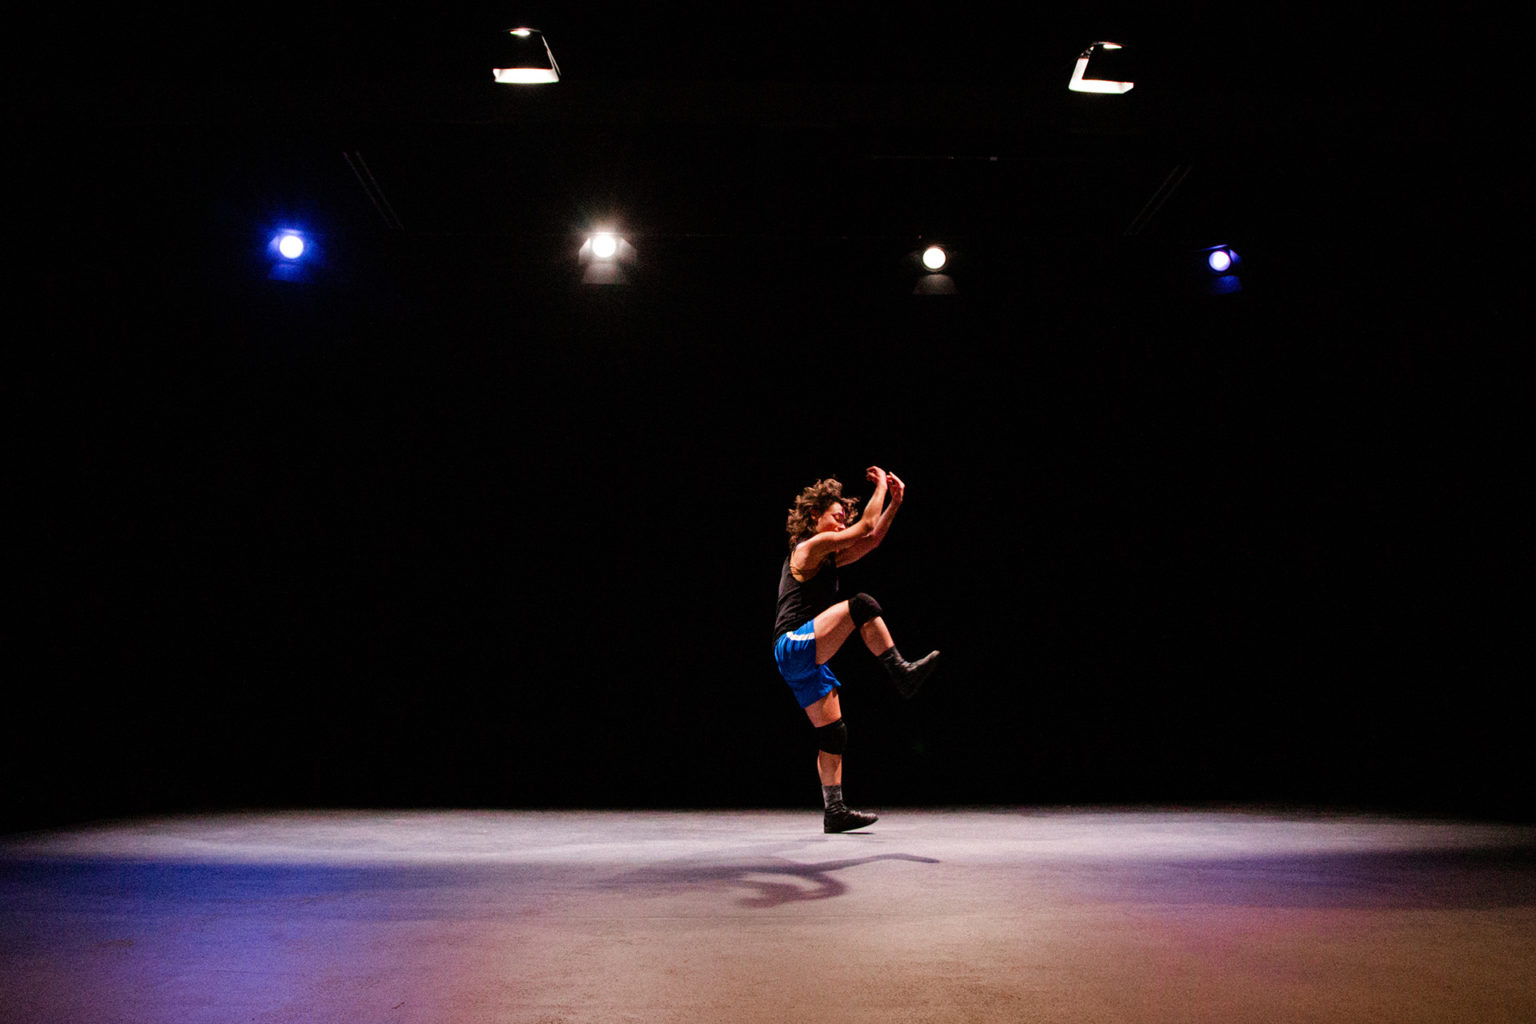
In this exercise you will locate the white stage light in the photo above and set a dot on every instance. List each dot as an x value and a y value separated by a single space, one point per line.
605 255
1097 85
525 59
932 263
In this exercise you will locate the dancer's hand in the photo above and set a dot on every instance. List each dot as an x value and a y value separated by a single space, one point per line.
898 489
875 475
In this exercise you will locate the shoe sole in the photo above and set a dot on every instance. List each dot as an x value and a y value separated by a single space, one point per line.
850 828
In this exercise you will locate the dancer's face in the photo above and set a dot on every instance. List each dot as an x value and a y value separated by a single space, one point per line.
833 519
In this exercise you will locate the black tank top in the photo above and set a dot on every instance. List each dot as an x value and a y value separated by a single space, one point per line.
801 601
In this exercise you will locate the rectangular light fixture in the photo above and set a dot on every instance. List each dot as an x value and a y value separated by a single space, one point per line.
525 58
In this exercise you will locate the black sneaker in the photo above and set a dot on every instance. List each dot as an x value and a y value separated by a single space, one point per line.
841 819
914 673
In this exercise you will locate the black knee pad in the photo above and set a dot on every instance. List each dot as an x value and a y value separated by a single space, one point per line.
832 738
863 608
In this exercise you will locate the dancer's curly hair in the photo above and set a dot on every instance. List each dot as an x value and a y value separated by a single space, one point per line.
811 504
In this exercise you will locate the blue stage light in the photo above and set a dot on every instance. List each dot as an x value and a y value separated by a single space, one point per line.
290 245
1222 259
292 254
1222 267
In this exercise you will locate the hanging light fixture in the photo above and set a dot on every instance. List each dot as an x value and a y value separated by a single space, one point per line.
1099 85
523 57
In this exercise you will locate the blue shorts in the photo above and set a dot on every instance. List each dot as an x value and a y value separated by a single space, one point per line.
795 653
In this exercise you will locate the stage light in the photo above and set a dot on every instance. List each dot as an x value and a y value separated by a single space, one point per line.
932 262
524 58
1223 265
290 254
290 245
1222 259
603 254
1096 85
606 246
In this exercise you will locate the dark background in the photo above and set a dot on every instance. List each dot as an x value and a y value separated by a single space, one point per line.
440 525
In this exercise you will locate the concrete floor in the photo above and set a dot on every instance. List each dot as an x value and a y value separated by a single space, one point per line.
952 916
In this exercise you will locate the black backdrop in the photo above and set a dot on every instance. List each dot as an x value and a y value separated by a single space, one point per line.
441 526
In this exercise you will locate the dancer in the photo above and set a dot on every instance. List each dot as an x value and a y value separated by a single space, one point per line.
812 623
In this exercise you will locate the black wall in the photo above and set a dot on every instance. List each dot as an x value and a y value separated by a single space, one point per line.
440 526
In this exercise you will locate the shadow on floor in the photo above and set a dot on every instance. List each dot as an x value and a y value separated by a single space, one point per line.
769 882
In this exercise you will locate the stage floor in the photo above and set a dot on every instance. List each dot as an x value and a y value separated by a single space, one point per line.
721 916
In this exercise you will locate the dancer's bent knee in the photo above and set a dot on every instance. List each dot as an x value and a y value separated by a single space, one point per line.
862 608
